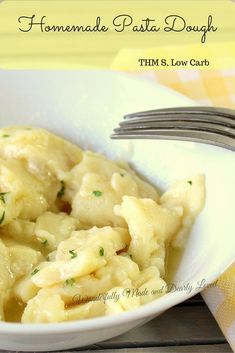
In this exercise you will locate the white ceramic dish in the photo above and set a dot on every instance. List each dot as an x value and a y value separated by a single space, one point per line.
84 107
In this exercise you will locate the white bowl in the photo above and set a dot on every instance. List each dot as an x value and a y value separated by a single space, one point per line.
84 107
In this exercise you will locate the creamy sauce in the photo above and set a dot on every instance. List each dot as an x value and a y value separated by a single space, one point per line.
14 310
173 259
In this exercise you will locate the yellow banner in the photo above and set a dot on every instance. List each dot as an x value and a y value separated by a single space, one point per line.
117 34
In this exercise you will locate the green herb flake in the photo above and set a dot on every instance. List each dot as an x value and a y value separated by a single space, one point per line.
97 193
73 254
2 196
44 242
131 256
62 189
2 217
36 270
101 252
189 182
122 175
69 282
5 136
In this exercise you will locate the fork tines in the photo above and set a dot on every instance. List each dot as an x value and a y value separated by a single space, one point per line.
184 110
199 124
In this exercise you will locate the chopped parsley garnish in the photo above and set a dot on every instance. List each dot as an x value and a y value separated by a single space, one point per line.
101 251
2 217
97 193
131 256
44 242
2 196
36 270
122 175
69 282
189 182
73 254
60 193
5 135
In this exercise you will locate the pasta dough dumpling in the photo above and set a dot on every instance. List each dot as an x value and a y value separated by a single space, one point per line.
149 225
96 185
23 193
82 236
6 278
53 228
43 152
190 195
44 308
74 261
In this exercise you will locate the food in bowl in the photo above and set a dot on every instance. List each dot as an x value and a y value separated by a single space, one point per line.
82 236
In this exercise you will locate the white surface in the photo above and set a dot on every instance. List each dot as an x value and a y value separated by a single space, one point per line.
84 106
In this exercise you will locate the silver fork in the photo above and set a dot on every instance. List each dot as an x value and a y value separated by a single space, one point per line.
209 125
